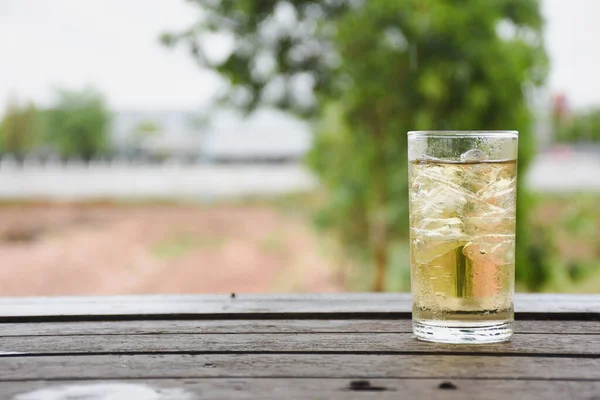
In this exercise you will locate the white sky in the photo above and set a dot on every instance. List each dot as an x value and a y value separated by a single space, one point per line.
113 45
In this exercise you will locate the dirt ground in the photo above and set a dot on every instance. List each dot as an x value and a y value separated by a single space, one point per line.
110 250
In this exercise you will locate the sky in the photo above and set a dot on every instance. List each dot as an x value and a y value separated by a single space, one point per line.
113 45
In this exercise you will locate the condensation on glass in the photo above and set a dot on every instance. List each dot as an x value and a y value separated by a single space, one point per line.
462 194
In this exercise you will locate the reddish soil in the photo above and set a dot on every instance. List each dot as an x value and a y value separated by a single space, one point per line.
109 250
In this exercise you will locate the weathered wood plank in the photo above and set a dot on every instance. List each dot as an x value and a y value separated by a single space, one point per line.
326 305
343 389
262 326
523 298
199 305
296 366
367 343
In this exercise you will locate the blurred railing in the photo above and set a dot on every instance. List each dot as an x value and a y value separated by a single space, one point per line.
565 172
127 178
180 178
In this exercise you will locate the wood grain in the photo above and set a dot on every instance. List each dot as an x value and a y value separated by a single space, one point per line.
342 389
161 366
367 343
152 327
292 346
340 306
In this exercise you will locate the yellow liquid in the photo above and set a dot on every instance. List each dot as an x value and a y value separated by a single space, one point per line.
462 218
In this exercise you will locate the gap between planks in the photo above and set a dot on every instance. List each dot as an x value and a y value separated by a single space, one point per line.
263 326
541 345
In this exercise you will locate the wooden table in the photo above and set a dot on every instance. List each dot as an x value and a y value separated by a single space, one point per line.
348 346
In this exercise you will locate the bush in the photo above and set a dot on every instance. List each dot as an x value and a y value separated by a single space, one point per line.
19 131
77 125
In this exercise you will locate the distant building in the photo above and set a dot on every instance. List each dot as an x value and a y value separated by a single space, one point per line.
223 136
173 133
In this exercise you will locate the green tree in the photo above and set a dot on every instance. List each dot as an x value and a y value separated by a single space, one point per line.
377 69
579 127
78 124
19 129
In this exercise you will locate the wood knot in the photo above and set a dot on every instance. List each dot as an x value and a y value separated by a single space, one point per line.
447 386
364 385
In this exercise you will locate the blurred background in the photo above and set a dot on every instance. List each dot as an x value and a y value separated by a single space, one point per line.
171 146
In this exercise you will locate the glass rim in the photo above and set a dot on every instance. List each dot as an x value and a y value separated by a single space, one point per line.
450 133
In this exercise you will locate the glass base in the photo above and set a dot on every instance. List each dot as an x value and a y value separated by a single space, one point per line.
463 332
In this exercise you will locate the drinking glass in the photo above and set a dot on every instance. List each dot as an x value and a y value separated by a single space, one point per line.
462 199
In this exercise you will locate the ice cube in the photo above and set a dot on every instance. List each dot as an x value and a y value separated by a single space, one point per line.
445 227
443 201
501 193
482 218
489 224
498 250
424 250
474 155
435 237
436 193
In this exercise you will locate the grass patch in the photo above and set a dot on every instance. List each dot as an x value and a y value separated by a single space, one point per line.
295 204
273 243
180 245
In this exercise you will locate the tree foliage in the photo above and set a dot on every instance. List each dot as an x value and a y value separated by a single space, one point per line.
374 70
579 127
77 125
19 129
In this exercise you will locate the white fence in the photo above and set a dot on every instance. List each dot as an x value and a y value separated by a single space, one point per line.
125 179
562 174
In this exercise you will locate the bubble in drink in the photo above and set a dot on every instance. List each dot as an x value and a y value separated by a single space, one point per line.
462 218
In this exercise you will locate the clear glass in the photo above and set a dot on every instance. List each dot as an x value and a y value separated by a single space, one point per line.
462 194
